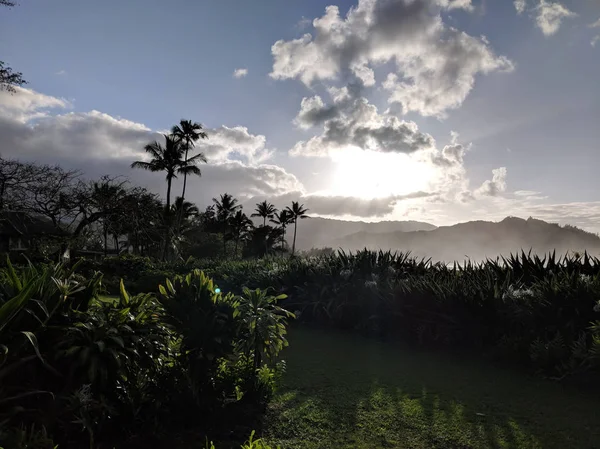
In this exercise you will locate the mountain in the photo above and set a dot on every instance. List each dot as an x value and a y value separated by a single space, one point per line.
476 240
316 232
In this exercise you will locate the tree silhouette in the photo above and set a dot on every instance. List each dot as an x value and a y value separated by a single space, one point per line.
282 219
188 133
296 211
239 226
264 210
106 196
226 206
167 159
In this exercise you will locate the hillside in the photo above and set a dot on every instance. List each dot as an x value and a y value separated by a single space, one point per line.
476 240
316 232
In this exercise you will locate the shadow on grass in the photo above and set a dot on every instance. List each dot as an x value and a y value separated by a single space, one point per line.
344 391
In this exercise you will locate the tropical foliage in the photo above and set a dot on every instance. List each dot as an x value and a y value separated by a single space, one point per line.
78 366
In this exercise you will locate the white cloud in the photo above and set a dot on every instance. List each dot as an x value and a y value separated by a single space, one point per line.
520 6
224 143
496 185
240 73
435 64
457 4
61 72
25 104
303 23
549 16
595 39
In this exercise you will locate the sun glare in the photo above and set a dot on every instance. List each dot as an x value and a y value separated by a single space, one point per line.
369 174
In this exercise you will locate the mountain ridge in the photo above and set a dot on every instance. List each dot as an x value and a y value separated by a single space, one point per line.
475 240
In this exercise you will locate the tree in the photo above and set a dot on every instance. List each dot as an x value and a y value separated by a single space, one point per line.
185 209
106 197
226 206
282 219
141 220
15 176
8 77
296 211
188 133
263 241
167 159
239 226
264 210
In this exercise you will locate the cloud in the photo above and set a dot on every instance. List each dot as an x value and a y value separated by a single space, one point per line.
225 142
99 144
25 104
303 23
240 73
435 65
342 206
496 185
451 155
352 121
596 38
61 72
549 16
520 6
457 4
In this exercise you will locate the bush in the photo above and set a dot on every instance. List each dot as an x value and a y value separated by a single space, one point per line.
85 367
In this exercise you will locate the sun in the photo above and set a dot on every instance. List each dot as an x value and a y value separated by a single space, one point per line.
369 174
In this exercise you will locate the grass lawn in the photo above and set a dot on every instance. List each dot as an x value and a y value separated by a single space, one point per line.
346 391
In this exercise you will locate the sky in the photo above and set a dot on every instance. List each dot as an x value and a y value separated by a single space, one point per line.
441 111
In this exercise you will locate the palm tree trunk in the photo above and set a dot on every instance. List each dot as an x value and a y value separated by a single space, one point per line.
180 218
295 228
224 241
105 240
236 247
169 181
167 213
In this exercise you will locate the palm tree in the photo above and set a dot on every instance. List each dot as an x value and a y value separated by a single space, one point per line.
264 210
239 225
296 211
226 206
188 133
167 159
282 219
184 208
106 196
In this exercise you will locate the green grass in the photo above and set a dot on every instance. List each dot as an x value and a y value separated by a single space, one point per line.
345 391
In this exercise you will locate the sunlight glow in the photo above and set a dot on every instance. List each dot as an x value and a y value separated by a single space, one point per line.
369 174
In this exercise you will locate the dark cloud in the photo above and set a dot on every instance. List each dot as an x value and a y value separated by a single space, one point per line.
353 121
341 206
